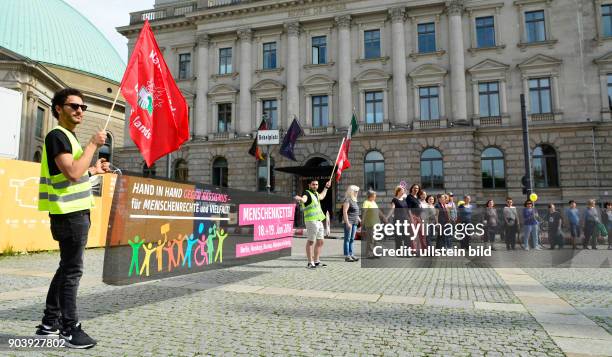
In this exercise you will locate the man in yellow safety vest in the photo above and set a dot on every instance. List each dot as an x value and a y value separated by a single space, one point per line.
313 217
65 192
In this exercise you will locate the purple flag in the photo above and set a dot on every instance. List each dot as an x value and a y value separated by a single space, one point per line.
294 132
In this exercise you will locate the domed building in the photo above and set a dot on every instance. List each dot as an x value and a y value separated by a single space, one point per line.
46 45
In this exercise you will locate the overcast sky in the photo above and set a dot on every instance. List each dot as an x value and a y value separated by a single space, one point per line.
106 15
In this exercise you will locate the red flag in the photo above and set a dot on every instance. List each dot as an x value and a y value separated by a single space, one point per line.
342 162
159 121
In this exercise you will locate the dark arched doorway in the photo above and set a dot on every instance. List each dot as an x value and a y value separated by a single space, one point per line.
321 170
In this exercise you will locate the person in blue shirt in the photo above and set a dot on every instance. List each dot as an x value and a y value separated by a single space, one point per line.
530 215
573 216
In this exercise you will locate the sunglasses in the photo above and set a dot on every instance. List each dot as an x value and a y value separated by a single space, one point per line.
76 106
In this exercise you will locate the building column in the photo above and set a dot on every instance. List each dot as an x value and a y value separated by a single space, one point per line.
200 122
344 69
400 90
416 103
475 99
293 72
527 94
244 121
459 109
556 105
503 98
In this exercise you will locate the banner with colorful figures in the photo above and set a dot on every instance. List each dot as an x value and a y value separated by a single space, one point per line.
161 228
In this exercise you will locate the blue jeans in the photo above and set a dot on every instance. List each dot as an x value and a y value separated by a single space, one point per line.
574 230
530 231
349 238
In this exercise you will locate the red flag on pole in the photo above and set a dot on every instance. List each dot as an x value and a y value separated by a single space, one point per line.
342 162
159 121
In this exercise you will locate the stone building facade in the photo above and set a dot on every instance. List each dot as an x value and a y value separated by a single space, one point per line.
418 75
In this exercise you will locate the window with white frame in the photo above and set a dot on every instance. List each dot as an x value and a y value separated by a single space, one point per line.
539 96
541 76
374 171
270 111
427 37
224 117
225 60
535 26
371 44
320 113
184 65
429 104
428 92
488 96
492 168
485 32
606 20
319 50
40 121
432 169
374 107
269 55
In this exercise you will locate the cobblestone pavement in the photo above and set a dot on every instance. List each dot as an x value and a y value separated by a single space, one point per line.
589 290
193 315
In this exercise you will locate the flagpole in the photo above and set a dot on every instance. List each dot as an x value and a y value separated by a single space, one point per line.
112 107
336 162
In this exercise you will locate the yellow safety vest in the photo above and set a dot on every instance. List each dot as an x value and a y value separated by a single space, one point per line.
56 193
313 211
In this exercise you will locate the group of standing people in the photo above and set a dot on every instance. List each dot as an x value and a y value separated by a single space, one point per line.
416 206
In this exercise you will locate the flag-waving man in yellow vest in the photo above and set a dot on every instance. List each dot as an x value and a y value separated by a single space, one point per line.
65 192
313 217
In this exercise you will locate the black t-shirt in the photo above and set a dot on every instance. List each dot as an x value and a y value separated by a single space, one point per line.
56 142
553 222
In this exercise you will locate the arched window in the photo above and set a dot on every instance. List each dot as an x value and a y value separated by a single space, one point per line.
374 170
262 175
492 168
545 171
37 156
432 173
106 151
219 172
148 171
181 170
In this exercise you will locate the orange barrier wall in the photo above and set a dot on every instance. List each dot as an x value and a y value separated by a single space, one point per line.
24 228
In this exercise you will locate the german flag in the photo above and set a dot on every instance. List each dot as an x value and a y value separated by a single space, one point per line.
255 150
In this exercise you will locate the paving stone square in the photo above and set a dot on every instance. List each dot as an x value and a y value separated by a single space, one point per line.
280 308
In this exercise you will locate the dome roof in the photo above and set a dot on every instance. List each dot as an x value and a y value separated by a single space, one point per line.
51 31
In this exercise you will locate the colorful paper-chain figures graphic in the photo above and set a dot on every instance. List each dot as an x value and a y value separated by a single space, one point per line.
180 251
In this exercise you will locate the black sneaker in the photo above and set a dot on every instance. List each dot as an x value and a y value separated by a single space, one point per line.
354 258
310 266
320 265
75 337
45 331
